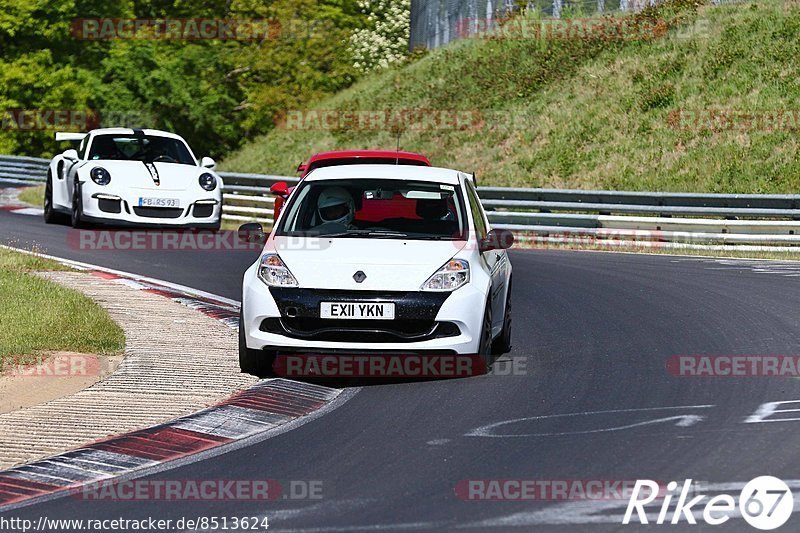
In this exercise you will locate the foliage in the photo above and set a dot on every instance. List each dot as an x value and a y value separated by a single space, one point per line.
385 40
593 114
216 93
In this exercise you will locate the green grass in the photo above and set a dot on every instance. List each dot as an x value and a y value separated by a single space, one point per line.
33 196
38 316
11 261
590 114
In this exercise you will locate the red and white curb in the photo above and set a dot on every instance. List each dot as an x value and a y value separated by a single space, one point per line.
267 408
263 407
20 210
213 306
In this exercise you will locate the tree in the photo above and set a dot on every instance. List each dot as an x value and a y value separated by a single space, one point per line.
385 40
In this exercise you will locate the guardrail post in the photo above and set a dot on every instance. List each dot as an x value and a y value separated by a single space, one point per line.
557 4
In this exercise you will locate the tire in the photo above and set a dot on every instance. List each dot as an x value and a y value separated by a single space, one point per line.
485 346
503 343
51 216
77 207
255 362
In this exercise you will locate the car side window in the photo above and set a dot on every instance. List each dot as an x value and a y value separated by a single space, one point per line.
82 148
477 210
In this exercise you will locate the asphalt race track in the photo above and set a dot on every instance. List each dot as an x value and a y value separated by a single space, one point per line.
594 331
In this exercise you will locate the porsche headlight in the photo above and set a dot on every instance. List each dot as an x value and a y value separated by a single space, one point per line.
100 176
454 274
274 273
208 181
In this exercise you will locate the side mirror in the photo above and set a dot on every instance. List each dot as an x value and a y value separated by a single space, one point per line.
70 154
301 167
280 188
207 162
252 233
497 239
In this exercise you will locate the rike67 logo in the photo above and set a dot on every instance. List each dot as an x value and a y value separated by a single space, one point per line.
765 503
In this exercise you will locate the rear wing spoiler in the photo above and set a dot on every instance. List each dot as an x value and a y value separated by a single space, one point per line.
69 136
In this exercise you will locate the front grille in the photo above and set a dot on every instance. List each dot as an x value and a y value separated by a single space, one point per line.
305 303
323 329
415 316
158 212
109 206
202 210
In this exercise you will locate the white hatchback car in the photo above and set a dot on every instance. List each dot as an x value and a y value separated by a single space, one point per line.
132 177
378 259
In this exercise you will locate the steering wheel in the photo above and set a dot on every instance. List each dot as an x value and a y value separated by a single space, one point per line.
164 158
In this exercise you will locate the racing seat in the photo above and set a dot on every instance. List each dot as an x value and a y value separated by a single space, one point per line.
104 147
435 214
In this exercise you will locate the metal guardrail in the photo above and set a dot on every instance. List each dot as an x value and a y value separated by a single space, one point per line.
556 215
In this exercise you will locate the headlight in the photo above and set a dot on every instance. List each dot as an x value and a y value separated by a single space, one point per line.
274 273
208 181
451 276
100 176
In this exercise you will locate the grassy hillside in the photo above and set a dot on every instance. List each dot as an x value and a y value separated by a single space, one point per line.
593 113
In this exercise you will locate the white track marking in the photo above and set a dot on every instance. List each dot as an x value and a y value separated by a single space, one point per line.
681 421
88 266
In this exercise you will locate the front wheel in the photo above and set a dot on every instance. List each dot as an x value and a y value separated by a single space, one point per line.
503 343
50 214
485 346
77 206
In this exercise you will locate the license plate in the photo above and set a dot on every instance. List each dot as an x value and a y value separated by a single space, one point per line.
357 310
159 202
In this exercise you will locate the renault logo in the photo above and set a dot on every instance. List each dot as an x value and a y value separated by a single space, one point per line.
359 276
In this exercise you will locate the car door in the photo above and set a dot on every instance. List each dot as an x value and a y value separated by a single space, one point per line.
494 259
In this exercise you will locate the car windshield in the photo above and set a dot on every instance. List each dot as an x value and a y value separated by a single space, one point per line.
147 148
376 208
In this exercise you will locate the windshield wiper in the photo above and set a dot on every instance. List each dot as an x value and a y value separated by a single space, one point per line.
365 233
435 237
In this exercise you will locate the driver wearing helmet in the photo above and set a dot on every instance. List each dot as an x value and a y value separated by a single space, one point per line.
335 206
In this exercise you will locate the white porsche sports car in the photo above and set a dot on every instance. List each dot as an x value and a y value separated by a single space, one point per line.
132 177
379 259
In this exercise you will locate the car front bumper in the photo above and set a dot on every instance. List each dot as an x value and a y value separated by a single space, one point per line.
110 209
287 320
